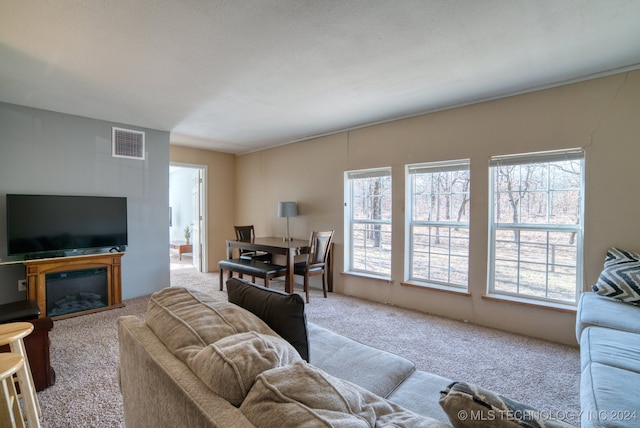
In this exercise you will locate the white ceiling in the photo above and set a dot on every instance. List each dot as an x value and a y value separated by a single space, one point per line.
240 75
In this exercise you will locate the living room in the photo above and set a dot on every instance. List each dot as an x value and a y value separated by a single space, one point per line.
49 152
53 150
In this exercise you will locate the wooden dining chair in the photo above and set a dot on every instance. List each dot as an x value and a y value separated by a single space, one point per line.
247 234
316 263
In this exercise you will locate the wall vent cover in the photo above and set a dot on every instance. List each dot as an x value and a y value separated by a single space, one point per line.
127 143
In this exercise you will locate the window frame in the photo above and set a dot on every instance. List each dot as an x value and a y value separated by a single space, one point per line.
349 221
410 223
547 157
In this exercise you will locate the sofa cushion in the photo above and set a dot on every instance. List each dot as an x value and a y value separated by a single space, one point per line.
609 397
472 406
620 278
230 365
283 312
378 371
597 310
420 394
304 395
614 348
187 320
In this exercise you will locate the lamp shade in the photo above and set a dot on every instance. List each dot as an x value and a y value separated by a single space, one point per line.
287 209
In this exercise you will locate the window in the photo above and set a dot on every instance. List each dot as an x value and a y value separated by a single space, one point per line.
368 221
536 225
438 223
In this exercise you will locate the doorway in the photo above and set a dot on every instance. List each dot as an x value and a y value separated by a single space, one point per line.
187 214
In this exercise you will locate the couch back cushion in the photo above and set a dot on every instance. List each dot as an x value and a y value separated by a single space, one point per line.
187 321
283 312
230 365
378 371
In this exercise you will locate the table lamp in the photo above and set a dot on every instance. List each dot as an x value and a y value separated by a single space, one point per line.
287 209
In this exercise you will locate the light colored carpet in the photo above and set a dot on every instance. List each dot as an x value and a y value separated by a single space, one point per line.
84 354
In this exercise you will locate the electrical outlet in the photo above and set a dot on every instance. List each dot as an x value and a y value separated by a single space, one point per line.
22 285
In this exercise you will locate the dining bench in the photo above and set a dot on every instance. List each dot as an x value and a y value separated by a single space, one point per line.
255 268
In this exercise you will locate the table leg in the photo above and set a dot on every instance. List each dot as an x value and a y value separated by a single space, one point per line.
330 270
289 278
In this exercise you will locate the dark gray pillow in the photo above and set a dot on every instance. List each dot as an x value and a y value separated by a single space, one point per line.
281 311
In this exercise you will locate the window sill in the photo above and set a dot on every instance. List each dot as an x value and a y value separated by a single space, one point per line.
369 276
437 287
559 307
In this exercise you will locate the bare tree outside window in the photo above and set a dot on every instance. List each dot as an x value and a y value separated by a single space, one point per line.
369 206
537 205
438 197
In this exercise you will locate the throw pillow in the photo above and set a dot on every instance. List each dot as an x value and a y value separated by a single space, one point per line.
281 311
303 395
620 278
229 366
187 320
468 405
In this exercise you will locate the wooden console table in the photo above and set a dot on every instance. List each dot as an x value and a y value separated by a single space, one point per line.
182 248
38 269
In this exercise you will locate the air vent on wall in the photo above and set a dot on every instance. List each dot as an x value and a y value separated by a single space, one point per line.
127 143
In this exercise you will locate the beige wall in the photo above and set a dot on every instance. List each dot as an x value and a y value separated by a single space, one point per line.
221 194
601 115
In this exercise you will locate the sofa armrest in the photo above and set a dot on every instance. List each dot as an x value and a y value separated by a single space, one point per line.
159 390
601 311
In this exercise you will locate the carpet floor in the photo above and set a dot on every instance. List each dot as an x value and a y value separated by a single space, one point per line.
546 375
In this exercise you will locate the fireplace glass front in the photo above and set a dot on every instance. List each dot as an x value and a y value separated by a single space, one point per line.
76 291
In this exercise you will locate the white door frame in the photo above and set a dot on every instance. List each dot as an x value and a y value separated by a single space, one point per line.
201 250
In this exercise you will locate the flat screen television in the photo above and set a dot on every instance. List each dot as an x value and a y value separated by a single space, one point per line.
53 225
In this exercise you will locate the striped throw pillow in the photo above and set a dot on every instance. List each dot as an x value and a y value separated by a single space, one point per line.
620 278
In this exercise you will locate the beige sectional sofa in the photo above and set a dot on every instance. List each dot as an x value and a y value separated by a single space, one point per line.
170 374
198 362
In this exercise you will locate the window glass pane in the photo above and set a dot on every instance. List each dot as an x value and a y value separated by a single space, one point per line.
369 221
506 276
537 226
564 206
538 193
535 207
371 248
438 194
532 279
543 263
560 283
371 198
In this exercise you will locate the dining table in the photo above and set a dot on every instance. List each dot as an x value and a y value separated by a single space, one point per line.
280 246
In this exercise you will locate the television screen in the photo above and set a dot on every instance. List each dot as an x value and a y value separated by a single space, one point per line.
41 224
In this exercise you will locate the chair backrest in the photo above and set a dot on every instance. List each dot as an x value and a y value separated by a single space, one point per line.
319 245
245 233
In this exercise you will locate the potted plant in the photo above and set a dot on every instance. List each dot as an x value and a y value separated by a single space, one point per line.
187 233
